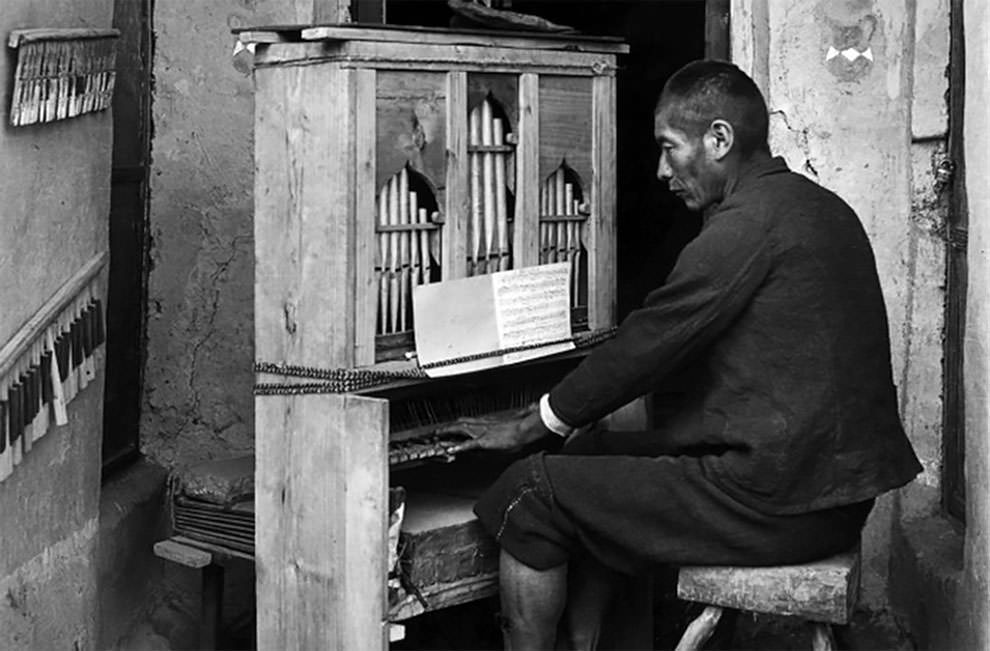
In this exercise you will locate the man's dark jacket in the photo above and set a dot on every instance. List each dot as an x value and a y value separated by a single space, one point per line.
777 310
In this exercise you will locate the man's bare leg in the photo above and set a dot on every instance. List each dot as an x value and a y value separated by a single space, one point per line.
532 603
590 589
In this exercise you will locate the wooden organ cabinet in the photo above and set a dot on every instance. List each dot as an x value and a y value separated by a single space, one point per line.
388 158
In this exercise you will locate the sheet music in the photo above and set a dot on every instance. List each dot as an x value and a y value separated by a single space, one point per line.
482 314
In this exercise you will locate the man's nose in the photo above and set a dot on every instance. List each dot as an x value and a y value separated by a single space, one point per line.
664 173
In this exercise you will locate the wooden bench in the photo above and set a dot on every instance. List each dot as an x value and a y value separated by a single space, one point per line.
823 592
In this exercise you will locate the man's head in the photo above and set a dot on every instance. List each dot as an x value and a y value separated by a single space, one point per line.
709 120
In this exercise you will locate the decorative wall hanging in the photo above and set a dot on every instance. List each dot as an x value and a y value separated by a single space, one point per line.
49 361
61 73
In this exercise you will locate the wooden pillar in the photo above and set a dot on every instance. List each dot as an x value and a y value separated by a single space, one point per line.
319 12
717 29
601 228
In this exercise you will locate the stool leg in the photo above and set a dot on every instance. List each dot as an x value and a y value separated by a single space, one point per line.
822 639
700 630
211 606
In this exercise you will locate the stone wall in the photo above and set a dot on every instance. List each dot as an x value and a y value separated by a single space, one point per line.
850 86
973 626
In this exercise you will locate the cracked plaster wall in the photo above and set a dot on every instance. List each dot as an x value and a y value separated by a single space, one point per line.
198 402
856 92
976 585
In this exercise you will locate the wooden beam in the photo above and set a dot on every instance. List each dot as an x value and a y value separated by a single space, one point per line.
717 29
601 223
454 250
302 289
526 245
320 12
321 500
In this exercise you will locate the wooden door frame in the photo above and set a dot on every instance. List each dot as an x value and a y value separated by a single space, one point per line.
129 246
956 237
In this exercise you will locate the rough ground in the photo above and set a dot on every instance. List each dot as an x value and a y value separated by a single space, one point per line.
473 627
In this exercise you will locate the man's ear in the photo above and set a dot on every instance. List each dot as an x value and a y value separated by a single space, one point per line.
719 138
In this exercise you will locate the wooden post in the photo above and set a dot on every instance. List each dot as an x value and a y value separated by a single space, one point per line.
304 242
366 290
454 248
717 29
601 223
526 234
321 12
321 500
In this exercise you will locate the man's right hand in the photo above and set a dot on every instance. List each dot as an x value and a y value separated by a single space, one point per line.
508 434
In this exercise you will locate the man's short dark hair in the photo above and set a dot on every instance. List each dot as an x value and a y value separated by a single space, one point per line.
703 91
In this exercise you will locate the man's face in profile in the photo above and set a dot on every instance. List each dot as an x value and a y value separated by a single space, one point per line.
684 161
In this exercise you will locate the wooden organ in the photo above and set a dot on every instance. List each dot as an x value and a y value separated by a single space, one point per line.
385 159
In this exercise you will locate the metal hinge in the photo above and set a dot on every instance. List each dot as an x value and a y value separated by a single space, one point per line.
945 171
957 238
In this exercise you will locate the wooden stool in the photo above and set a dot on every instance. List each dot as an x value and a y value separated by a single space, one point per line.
179 551
823 592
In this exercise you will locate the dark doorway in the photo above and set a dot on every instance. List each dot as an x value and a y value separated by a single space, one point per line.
128 234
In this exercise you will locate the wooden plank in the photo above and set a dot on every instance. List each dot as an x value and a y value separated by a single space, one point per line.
19 37
262 38
457 200
526 232
823 591
717 29
177 552
409 56
566 126
411 117
366 246
219 553
445 595
313 12
502 87
331 11
438 36
322 512
31 331
601 226
304 204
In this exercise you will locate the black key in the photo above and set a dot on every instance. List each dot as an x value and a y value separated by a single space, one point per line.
62 355
3 425
38 381
30 399
47 390
16 405
101 331
87 332
75 336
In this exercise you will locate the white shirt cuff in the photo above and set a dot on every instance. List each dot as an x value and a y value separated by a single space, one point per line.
550 420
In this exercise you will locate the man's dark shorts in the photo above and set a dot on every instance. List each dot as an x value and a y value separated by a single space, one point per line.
630 511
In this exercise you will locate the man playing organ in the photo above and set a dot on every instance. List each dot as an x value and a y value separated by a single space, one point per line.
784 440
